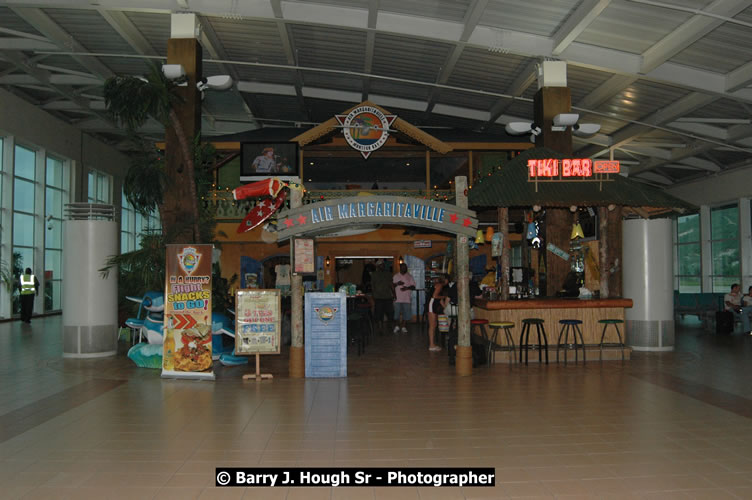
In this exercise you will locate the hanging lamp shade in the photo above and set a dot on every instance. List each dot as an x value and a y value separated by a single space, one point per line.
479 237
489 233
577 232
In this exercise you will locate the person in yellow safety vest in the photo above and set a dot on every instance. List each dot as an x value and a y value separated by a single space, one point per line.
29 288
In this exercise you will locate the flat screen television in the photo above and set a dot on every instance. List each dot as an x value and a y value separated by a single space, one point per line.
260 160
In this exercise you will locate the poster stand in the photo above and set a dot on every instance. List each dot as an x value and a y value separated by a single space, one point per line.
258 375
257 328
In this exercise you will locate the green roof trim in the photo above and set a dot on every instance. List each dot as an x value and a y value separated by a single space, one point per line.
504 182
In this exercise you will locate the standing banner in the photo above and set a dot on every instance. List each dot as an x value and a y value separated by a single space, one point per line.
187 351
258 321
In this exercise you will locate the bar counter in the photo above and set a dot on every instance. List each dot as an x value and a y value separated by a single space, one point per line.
551 310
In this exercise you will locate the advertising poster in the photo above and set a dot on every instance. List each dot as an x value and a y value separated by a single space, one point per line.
187 350
258 318
304 258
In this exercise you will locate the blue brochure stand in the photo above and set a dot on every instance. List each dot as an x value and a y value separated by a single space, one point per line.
325 335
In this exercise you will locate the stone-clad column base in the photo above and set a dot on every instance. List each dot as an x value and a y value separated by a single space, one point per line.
464 361
297 362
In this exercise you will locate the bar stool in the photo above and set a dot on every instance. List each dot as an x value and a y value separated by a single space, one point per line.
495 327
481 325
355 331
574 326
525 337
616 323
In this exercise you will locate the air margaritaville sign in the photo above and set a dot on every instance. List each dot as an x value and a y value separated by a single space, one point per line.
326 216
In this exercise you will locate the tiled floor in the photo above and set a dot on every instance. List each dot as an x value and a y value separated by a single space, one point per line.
662 426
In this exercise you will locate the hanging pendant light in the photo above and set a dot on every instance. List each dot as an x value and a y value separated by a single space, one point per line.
489 233
577 232
479 237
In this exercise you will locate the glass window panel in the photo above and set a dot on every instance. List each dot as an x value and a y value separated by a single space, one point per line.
689 228
57 289
23 195
725 258
23 229
690 284
54 234
24 162
91 187
53 202
125 217
25 257
724 222
723 283
689 259
139 222
53 263
102 189
54 172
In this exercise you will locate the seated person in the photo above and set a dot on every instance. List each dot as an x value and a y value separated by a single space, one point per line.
571 286
733 302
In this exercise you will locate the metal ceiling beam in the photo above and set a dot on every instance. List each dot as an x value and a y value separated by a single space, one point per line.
213 45
679 155
8 43
701 164
689 32
290 54
524 79
674 110
472 17
128 31
49 28
739 78
373 15
53 79
577 22
605 91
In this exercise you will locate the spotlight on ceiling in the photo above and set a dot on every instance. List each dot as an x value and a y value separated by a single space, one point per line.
518 128
564 120
586 129
173 71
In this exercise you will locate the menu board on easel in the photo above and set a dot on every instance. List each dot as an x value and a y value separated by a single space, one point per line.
258 316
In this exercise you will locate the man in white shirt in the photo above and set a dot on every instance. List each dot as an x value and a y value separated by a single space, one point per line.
404 284
733 302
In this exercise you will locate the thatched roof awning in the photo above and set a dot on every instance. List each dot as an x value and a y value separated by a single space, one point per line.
331 125
509 187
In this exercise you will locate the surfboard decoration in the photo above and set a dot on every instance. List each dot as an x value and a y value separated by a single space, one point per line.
273 189
262 211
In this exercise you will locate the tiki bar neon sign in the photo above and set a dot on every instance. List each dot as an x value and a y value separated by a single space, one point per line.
569 168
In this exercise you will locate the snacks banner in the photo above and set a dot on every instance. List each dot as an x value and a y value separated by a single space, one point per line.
187 351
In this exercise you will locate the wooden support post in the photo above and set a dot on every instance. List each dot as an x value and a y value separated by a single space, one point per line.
297 354
464 359
603 250
503 216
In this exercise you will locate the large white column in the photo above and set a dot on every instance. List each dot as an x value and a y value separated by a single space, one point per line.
90 305
647 256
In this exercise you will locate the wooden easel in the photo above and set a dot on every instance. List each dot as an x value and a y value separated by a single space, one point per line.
258 375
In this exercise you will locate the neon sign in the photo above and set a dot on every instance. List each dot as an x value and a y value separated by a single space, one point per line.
551 167
568 168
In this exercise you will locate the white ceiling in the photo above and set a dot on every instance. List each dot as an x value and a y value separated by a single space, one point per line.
670 81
